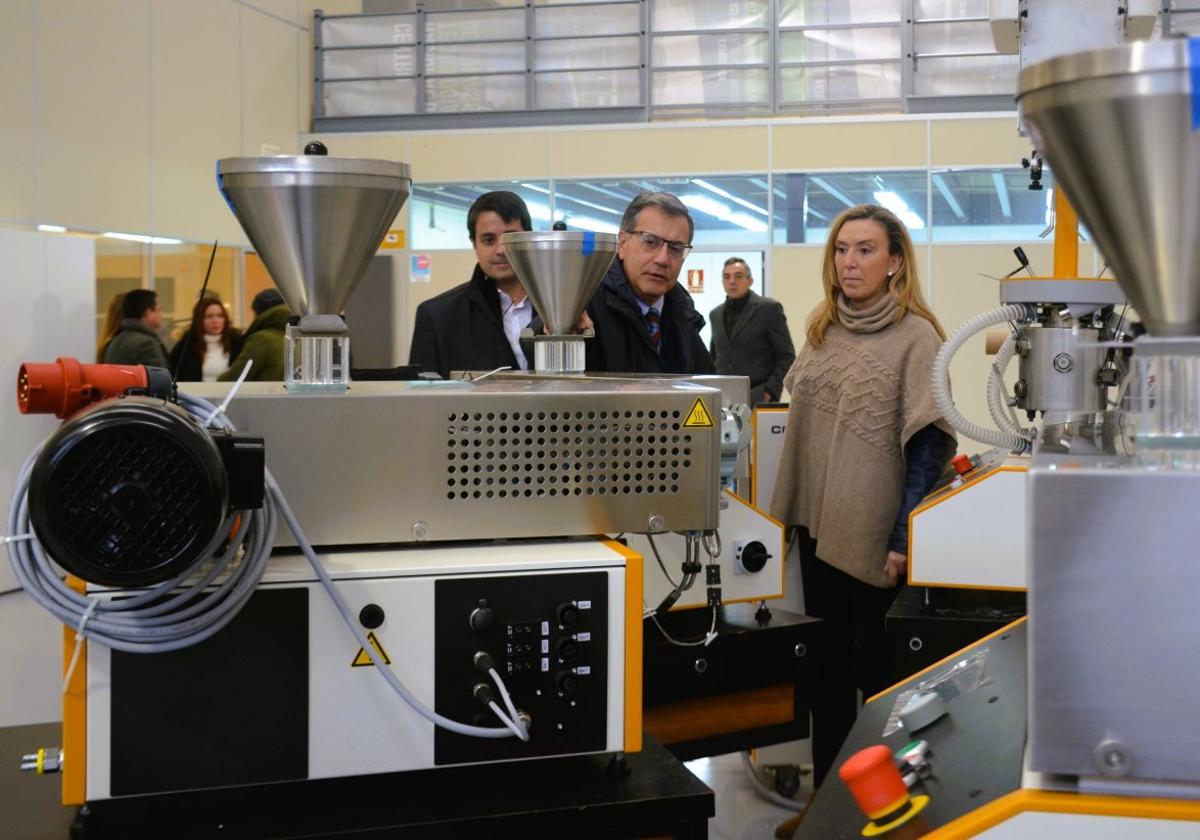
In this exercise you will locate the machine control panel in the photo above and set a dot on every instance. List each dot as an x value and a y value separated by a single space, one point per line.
548 638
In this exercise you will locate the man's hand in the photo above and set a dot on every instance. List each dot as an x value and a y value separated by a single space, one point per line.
894 566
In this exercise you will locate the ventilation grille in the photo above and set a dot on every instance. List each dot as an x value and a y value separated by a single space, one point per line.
128 500
554 454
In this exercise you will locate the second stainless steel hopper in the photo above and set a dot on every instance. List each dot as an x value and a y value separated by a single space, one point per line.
560 271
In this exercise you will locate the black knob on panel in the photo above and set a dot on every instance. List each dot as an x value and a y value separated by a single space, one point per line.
566 682
568 614
482 618
371 616
754 556
315 147
567 649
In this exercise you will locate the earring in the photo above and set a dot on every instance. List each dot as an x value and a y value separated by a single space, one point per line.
890 273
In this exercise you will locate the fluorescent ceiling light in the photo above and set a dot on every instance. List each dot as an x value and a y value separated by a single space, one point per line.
1002 194
833 191
600 207
716 209
895 203
139 237
535 188
724 194
940 183
52 228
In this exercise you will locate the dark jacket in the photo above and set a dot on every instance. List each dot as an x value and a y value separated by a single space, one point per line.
135 344
190 368
759 345
462 329
622 340
264 346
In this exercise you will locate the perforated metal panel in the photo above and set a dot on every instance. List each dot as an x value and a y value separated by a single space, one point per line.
393 462
527 454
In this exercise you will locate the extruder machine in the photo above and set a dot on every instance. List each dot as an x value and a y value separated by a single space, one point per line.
1078 723
320 578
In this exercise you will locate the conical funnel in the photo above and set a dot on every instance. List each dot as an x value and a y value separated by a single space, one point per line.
1119 128
560 271
315 221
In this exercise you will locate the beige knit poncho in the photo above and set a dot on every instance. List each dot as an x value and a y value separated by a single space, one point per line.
855 402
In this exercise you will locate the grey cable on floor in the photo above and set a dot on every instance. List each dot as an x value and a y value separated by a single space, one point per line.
765 792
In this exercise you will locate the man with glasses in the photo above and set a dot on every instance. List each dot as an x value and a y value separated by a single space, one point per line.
750 335
477 325
644 320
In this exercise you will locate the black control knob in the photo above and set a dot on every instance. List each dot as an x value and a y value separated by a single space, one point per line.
754 556
371 616
482 618
568 649
567 614
315 147
566 682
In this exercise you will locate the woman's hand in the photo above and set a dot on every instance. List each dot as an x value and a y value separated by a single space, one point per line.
894 566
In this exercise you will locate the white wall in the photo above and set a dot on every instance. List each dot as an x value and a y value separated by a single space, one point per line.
49 285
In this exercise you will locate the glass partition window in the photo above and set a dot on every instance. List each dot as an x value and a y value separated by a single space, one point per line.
725 209
807 203
839 54
989 205
447 57
953 51
438 212
710 56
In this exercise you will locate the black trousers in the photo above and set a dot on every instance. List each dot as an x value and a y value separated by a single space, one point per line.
855 653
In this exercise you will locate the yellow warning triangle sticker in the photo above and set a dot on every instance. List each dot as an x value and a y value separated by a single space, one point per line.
698 417
363 659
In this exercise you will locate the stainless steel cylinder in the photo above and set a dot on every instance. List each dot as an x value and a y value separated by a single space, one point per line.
1057 370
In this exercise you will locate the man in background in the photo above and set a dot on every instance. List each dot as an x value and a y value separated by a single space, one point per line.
477 325
750 335
262 346
136 342
645 322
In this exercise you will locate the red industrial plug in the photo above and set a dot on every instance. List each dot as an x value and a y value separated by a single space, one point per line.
64 386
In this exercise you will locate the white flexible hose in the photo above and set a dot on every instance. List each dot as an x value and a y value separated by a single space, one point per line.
941 377
997 399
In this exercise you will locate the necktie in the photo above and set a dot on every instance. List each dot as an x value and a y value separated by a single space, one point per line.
653 326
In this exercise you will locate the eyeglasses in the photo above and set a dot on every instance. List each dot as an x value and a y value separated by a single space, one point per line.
652 242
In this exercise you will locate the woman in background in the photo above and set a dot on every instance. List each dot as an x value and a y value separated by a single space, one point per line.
207 347
864 443
112 323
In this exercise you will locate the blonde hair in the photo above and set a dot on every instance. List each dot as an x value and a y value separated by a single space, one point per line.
904 285
112 323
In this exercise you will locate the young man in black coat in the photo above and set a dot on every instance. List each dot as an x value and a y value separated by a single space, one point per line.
477 325
645 322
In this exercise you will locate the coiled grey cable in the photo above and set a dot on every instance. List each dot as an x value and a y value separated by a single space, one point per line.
182 611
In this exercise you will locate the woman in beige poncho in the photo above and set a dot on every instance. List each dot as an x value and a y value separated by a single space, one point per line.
864 443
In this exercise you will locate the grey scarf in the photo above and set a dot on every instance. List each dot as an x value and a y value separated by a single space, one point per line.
882 314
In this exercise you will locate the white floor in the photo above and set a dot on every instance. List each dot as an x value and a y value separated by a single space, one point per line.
742 814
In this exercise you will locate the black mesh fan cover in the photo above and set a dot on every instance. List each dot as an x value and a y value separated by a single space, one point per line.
129 492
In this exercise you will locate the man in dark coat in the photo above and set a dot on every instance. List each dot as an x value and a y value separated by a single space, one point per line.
137 341
645 322
263 346
477 325
750 335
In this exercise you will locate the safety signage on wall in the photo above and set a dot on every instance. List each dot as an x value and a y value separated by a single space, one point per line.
422 268
695 281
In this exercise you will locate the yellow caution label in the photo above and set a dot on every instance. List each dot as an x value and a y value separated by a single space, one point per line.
698 417
363 659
